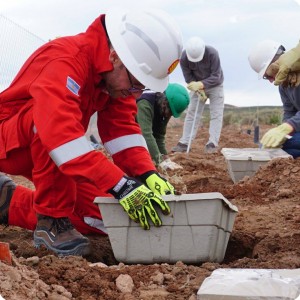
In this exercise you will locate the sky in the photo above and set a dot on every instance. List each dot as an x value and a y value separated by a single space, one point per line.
233 27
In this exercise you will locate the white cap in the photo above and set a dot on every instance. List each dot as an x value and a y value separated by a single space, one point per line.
148 42
262 55
195 49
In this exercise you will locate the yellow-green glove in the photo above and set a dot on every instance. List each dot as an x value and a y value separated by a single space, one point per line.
202 96
275 137
157 184
195 86
289 61
137 199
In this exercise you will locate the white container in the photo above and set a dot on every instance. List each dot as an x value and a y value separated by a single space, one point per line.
197 230
251 284
243 162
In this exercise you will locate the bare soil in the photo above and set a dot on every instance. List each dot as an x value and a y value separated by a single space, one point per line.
266 234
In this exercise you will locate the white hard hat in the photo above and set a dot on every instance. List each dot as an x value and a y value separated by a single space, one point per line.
262 55
195 48
148 42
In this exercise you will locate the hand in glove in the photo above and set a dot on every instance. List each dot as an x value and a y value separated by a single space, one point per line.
157 184
137 199
289 61
293 79
168 164
202 96
195 86
275 137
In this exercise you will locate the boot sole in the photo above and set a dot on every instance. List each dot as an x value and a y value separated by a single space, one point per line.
179 150
80 250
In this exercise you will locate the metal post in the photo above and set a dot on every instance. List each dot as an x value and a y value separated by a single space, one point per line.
256 134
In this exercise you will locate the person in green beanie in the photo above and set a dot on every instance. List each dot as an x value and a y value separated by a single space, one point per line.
154 112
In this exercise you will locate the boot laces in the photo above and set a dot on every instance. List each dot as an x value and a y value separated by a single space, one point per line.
61 225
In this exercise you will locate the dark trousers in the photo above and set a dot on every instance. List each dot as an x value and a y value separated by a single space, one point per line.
292 146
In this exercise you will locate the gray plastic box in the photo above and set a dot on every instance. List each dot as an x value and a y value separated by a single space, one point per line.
197 230
243 162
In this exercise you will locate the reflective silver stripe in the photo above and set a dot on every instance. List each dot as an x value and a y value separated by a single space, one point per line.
125 142
70 150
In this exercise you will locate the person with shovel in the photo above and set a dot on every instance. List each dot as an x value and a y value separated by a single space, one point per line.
154 112
45 113
202 71
269 59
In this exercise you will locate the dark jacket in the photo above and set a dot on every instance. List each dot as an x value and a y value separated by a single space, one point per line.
290 98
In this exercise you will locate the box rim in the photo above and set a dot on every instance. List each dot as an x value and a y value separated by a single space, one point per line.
177 198
267 157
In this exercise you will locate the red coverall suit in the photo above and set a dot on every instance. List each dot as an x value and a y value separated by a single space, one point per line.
44 115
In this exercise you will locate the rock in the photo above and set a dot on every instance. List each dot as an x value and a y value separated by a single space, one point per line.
32 261
124 283
158 278
99 265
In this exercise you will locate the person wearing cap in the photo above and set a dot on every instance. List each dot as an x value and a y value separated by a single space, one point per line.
154 112
202 71
268 58
45 113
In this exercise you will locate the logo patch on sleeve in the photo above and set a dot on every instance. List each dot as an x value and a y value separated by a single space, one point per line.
73 86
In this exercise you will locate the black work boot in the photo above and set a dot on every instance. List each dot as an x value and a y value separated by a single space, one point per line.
7 188
180 148
210 148
59 235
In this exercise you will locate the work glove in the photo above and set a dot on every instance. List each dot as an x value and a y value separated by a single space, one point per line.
167 164
137 200
293 79
289 61
275 137
195 86
202 96
157 184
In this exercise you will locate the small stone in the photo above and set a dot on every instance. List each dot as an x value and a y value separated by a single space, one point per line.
124 283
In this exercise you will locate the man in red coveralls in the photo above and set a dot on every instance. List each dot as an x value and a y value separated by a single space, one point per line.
44 115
